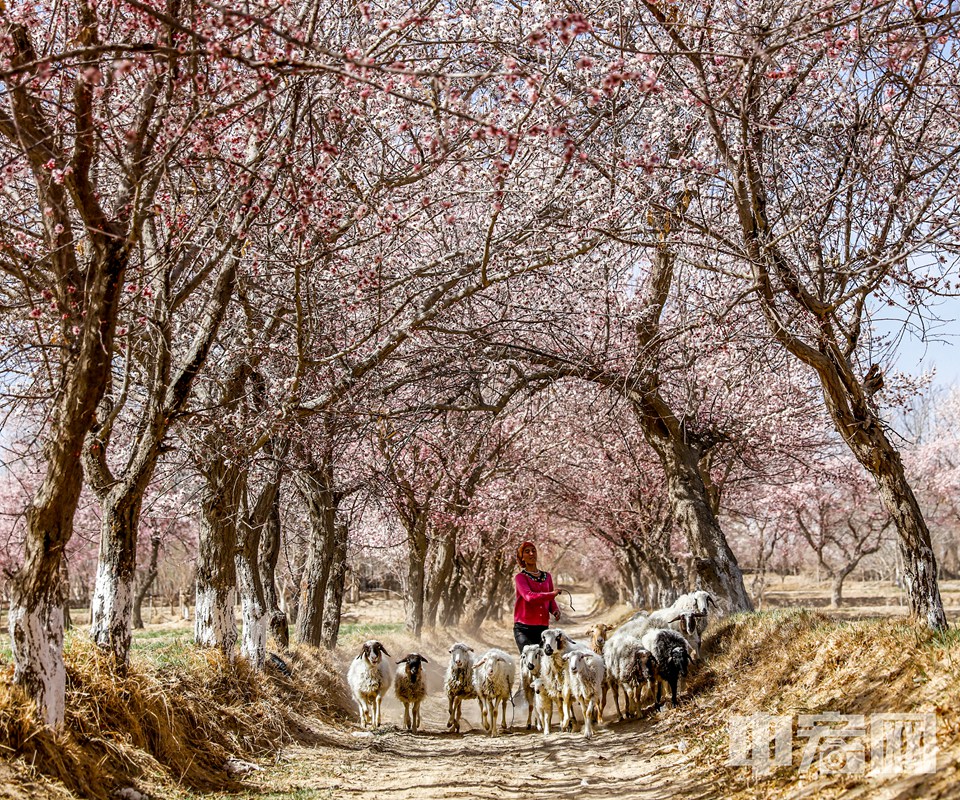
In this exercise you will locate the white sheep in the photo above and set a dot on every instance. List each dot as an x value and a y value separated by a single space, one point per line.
458 683
529 672
539 695
369 678
553 673
410 688
584 683
629 667
493 675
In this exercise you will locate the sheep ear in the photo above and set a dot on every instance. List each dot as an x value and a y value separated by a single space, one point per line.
481 662
404 661
470 649
384 650
424 660
566 656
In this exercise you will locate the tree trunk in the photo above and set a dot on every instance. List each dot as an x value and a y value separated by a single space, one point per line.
836 593
441 575
489 584
333 596
269 557
37 592
415 596
316 486
716 566
149 577
215 624
112 609
864 434
454 597
253 607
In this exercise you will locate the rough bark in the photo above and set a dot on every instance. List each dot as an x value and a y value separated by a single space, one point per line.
150 575
333 596
112 609
269 557
415 595
440 575
454 596
315 482
215 624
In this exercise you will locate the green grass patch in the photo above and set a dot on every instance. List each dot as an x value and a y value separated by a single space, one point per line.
371 630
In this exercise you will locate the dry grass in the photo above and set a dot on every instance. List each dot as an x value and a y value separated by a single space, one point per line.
171 719
794 662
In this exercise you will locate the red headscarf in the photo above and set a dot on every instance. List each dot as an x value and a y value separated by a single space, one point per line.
520 551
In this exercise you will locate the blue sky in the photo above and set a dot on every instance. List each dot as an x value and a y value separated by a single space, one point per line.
934 345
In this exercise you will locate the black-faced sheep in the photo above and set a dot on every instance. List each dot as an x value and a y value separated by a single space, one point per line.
672 653
410 688
369 678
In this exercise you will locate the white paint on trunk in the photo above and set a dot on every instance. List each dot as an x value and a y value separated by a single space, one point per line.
112 609
253 643
36 638
215 625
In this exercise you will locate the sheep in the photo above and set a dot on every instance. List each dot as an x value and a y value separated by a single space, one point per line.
622 654
584 681
696 601
553 672
410 688
458 682
644 671
673 657
529 672
493 680
689 622
599 634
369 678
539 695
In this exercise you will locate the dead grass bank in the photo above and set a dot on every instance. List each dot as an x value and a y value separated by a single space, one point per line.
793 662
173 717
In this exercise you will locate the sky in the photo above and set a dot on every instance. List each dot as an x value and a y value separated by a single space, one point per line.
919 351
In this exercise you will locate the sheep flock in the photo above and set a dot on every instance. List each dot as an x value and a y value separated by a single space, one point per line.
644 660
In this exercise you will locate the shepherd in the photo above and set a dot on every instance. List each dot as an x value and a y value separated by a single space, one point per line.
536 598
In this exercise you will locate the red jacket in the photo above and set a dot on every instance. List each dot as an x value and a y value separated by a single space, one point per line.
533 603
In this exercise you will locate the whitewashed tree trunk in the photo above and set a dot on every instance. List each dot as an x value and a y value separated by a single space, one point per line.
253 613
111 620
112 611
215 623
36 637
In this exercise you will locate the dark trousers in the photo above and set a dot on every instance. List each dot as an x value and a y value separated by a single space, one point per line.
527 634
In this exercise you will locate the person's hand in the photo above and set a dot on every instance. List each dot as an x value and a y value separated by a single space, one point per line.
555 615
556 593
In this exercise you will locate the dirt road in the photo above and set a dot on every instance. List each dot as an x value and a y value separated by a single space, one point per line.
632 759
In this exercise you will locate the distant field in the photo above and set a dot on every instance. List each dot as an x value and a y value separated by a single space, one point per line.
380 614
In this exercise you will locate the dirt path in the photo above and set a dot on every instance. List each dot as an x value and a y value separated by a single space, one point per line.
633 759
628 760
